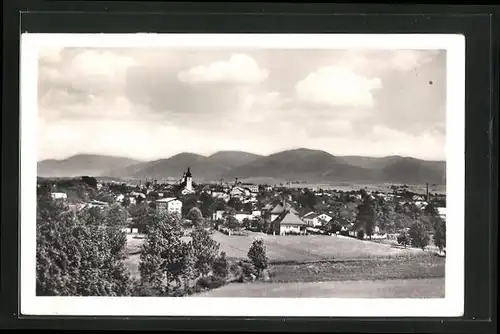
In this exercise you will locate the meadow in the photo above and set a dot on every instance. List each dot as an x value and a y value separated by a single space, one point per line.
315 257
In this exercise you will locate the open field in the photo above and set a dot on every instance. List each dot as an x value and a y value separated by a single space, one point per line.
329 258
407 288
299 248
308 248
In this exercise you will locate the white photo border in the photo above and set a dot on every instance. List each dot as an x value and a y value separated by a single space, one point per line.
450 306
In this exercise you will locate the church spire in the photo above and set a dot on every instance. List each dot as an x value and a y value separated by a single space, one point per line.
188 174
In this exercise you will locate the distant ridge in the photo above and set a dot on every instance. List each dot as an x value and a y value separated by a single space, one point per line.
302 164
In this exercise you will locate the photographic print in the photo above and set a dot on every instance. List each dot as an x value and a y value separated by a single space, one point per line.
251 175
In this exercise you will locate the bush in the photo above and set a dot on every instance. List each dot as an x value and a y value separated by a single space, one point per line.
248 271
221 266
403 239
418 235
210 282
360 234
257 254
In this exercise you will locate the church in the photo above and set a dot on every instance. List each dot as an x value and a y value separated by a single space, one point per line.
187 183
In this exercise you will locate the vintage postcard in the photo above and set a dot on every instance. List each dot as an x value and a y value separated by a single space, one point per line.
242 175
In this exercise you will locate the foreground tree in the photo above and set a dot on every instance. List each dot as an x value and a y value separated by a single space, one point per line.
221 266
257 254
195 216
418 235
440 235
165 258
366 215
77 258
205 250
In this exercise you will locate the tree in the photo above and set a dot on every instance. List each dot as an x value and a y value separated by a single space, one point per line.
116 216
195 216
231 222
360 234
221 266
126 201
403 239
248 207
418 235
74 258
366 215
90 181
257 254
235 203
207 205
205 250
440 235
246 223
165 258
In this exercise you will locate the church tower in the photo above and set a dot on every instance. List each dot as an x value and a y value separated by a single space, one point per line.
189 180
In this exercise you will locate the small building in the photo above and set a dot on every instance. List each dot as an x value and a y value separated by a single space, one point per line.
256 213
242 216
218 215
289 223
239 192
279 209
254 188
59 196
442 213
170 205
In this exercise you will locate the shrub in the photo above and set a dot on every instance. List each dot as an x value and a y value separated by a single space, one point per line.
360 234
221 266
418 235
257 254
248 271
210 282
205 250
403 239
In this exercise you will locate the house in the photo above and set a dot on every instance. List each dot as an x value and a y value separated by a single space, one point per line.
442 213
289 223
421 204
120 198
170 205
254 188
99 186
256 213
416 198
324 218
219 214
280 209
242 216
239 192
311 219
59 196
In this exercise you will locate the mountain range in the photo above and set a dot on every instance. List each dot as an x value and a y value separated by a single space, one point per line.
305 165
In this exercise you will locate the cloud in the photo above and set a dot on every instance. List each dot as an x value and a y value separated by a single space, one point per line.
239 69
336 86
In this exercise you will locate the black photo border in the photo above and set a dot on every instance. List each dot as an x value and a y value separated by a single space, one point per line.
477 23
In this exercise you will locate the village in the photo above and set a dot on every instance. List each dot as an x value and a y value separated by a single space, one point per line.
232 207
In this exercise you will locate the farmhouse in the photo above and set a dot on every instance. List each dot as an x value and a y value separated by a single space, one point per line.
169 205
289 223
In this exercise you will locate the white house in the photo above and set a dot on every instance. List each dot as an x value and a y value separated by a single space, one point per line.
254 188
311 219
324 217
442 213
256 213
239 192
59 196
291 223
170 205
242 216
219 214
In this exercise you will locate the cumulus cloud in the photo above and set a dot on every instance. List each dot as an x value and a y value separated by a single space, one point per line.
240 68
337 86
125 101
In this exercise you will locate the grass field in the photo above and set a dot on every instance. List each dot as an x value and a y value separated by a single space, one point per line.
407 288
310 258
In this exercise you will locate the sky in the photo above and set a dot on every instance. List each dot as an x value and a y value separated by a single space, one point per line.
150 104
